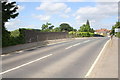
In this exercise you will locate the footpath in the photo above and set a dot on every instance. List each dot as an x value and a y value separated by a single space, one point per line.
107 65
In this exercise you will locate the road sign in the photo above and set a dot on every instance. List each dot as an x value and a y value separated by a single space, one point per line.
117 29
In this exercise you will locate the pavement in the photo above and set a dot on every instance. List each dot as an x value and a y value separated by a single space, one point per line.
107 65
71 59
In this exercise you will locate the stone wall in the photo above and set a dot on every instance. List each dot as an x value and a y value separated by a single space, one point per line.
35 36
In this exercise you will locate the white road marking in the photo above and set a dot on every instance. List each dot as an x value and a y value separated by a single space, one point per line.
93 65
69 47
86 41
77 44
25 64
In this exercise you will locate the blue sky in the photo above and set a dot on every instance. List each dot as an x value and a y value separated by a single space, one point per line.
34 14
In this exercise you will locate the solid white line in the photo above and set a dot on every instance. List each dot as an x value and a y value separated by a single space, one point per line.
25 64
93 65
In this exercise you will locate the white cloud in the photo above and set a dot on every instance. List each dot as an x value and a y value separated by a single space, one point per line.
50 8
16 24
54 8
68 10
42 17
20 8
13 24
64 16
99 12
96 14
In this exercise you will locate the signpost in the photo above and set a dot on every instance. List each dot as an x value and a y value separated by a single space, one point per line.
117 29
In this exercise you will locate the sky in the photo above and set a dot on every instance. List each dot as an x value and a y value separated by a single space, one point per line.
34 14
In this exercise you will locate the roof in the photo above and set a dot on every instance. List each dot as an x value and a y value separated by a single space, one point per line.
102 30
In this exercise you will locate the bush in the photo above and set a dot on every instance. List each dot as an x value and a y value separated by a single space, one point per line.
81 34
118 34
14 38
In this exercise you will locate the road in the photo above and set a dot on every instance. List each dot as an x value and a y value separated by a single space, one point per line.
71 59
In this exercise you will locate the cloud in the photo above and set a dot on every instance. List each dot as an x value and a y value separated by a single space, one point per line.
68 10
42 17
98 12
64 16
54 7
16 24
13 24
20 8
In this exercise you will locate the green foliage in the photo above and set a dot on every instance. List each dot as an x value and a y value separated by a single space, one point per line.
87 23
16 37
81 34
8 12
15 33
65 27
5 37
117 25
48 27
86 27
118 34
57 29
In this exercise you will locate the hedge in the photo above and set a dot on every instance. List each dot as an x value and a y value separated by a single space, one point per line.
81 34
118 34
14 38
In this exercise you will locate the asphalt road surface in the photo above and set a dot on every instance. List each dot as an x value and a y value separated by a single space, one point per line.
71 59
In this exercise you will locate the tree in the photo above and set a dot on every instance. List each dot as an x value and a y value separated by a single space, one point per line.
83 28
65 27
86 27
117 25
57 29
87 23
8 11
48 27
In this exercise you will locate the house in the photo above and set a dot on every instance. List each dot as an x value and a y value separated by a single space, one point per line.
103 32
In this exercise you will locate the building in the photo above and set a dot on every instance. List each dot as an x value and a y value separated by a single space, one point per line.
103 32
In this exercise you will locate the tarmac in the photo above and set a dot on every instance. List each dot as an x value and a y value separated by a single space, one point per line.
107 65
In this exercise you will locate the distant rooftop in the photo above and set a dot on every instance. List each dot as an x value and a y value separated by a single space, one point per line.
102 30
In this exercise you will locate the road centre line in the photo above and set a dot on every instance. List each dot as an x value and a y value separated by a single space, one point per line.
26 64
77 44
86 41
95 62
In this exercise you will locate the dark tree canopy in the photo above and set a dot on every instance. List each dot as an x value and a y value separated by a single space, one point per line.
9 10
87 23
65 27
48 27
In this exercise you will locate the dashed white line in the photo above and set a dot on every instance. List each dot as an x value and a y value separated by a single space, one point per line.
25 64
69 47
86 41
77 44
